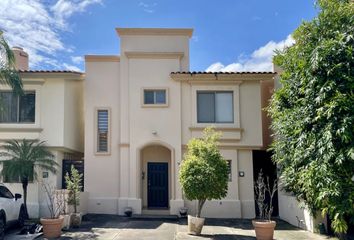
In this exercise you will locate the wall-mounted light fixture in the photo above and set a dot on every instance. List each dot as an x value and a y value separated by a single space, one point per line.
241 173
154 132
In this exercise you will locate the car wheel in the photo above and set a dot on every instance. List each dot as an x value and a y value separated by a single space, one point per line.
2 228
22 217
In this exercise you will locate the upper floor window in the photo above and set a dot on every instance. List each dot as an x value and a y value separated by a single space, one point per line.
155 97
102 131
17 109
215 107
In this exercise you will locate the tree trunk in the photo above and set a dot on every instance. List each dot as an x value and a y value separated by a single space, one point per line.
75 203
24 188
200 206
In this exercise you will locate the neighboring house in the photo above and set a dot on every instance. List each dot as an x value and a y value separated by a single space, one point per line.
51 110
142 108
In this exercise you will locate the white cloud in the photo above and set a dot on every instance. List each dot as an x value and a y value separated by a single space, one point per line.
63 9
147 7
71 67
259 60
77 59
37 27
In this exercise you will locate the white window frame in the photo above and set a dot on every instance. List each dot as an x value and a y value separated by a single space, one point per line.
108 152
32 127
235 88
215 117
154 105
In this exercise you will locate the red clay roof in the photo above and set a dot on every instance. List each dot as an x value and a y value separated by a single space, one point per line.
49 71
191 73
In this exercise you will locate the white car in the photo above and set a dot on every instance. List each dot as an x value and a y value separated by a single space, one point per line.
12 210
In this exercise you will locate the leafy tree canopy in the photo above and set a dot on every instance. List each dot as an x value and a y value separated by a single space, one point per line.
313 113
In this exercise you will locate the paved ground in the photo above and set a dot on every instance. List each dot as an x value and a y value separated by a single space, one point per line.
109 227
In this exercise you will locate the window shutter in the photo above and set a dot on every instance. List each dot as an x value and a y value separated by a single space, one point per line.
102 130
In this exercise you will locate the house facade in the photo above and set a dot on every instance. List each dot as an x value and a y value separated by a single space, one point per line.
127 120
51 110
142 108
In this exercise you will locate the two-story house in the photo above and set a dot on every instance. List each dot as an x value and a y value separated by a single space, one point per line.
51 110
142 108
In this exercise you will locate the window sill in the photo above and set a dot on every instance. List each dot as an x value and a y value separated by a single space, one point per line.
102 153
229 133
217 126
19 128
154 105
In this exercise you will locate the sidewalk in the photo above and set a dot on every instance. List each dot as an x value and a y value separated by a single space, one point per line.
112 227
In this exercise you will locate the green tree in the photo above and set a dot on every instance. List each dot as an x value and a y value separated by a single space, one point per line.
204 172
313 113
74 185
8 74
21 159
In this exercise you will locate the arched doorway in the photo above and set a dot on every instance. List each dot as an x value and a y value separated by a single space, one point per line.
156 176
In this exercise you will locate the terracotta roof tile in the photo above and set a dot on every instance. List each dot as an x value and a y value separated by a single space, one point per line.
49 71
195 72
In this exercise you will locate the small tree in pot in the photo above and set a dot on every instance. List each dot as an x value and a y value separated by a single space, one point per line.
73 183
264 226
203 174
53 224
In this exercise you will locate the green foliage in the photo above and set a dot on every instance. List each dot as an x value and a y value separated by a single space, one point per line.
73 184
313 113
8 74
204 172
20 159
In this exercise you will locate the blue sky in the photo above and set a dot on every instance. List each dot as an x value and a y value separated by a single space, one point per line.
229 35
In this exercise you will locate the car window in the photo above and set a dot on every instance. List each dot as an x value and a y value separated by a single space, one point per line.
5 193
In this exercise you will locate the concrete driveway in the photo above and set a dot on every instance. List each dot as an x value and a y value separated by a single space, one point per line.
112 227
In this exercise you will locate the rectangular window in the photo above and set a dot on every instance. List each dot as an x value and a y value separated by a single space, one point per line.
102 130
229 162
215 107
157 97
17 109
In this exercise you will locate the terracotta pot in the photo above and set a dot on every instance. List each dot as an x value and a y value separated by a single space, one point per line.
75 220
195 225
264 229
52 227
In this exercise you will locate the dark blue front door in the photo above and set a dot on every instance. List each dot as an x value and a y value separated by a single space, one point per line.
158 185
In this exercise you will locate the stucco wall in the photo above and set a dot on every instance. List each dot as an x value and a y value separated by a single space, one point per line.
102 171
74 115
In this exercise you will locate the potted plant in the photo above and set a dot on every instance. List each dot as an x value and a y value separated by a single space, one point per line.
61 195
73 183
263 225
203 175
52 225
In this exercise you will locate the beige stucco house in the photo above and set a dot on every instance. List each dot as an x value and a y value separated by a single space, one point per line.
51 110
126 123
143 106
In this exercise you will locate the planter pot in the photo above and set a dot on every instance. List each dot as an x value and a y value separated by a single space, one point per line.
264 229
183 211
75 220
195 225
128 211
66 222
52 227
